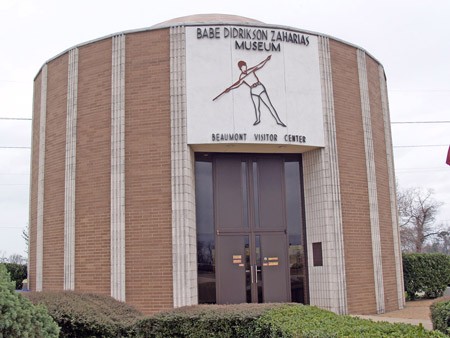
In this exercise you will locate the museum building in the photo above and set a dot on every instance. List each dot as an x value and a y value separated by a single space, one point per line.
215 159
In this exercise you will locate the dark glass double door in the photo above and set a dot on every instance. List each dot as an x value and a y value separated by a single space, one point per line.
251 238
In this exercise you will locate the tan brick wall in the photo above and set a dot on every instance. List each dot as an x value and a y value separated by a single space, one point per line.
93 169
353 180
55 150
147 172
384 203
148 212
34 181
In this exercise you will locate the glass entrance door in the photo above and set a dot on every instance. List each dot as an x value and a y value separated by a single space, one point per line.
250 229
250 234
252 268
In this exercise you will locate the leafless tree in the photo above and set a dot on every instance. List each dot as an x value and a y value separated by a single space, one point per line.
441 242
14 258
17 259
417 211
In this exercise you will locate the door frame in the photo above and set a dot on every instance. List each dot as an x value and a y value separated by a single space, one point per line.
293 275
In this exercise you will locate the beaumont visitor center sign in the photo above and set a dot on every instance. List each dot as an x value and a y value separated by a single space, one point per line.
250 85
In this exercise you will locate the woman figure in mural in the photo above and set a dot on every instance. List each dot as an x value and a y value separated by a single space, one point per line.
258 92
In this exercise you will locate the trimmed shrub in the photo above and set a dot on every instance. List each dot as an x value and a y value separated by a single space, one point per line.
88 315
17 272
18 316
427 273
269 320
206 321
440 316
309 321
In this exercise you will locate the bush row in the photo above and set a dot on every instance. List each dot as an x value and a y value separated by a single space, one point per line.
20 318
83 315
309 321
426 273
88 315
269 320
207 321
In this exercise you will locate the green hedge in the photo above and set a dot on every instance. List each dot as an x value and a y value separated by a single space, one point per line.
20 318
310 321
269 320
427 273
206 321
440 316
17 272
88 315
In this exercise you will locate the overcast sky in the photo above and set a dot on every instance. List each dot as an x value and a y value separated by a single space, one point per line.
410 38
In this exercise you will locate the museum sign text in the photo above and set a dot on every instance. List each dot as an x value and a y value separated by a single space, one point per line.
258 39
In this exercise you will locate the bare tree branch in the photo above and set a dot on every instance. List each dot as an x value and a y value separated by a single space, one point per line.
417 211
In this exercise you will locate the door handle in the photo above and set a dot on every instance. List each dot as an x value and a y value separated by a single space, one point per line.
253 273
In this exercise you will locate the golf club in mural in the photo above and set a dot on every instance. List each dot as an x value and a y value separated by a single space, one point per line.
258 92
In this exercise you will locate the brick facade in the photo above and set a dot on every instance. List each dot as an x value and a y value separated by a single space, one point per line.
353 179
93 169
33 187
148 216
53 269
387 244
149 182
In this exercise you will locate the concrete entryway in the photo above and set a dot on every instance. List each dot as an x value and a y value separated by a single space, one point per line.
415 313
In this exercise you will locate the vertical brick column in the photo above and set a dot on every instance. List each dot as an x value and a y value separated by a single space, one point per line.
184 241
34 165
392 192
371 182
40 189
69 195
118 168
327 283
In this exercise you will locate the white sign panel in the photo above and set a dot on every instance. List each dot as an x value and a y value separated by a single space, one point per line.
253 85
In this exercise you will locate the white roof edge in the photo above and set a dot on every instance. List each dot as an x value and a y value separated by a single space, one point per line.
203 23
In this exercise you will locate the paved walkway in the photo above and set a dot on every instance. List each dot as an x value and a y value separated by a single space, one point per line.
415 312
